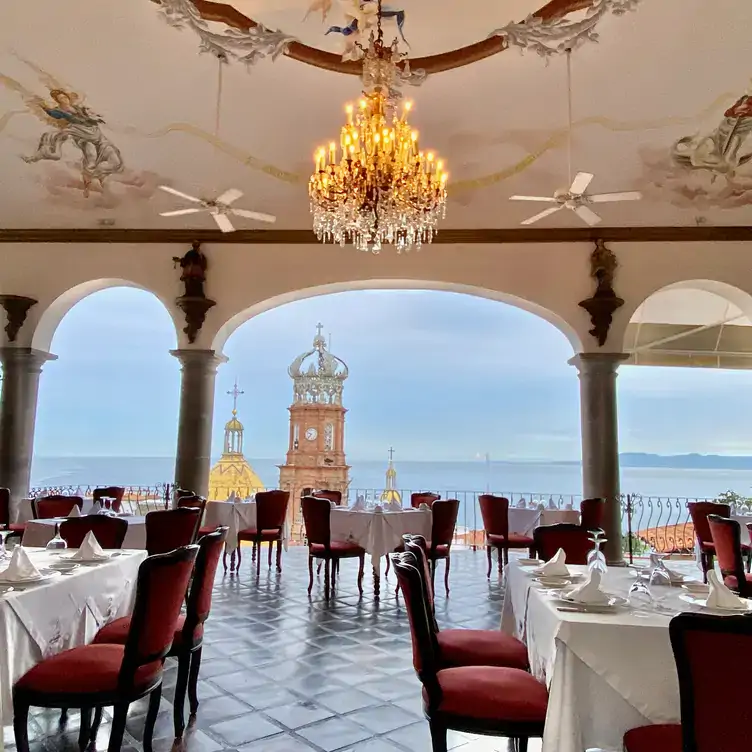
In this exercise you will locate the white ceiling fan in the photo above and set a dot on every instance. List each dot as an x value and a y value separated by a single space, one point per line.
575 198
218 207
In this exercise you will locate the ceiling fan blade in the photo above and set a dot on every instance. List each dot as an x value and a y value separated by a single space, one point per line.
580 183
604 198
259 216
541 215
587 215
179 212
547 199
181 194
229 196
223 222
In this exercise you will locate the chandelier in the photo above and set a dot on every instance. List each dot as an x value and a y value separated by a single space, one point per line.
379 187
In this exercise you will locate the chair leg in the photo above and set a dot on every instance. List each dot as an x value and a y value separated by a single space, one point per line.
386 570
118 727
446 573
84 732
506 556
193 682
318 569
279 555
253 551
258 561
438 736
489 557
95 726
151 717
335 566
224 558
271 547
361 569
20 725
63 720
237 551
327 563
310 573
433 575
522 745
181 686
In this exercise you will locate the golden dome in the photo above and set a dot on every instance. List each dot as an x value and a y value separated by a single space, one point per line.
390 495
233 475
233 424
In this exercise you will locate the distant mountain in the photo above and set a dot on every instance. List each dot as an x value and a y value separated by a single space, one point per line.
687 461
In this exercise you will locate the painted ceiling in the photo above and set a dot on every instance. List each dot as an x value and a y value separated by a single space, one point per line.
107 99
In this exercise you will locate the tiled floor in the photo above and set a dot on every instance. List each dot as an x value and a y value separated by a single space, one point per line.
285 673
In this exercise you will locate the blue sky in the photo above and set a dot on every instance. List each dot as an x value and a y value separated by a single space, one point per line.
440 376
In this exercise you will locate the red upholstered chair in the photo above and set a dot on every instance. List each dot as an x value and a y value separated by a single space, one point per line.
715 712
592 512
188 640
94 676
699 511
168 529
115 493
186 500
423 497
17 530
574 539
109 531
491 700
464 647
726 535
271 513
57 505
495 513
443 523
316 516
335 496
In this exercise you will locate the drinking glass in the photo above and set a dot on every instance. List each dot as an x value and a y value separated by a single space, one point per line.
596 558
4 533
639 595
58 542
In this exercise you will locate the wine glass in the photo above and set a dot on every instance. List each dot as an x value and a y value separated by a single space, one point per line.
4 533
639 595
596 558
58 542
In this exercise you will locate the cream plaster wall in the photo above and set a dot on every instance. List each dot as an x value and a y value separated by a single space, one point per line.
546 279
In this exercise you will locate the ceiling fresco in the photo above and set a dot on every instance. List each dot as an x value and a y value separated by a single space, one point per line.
111 98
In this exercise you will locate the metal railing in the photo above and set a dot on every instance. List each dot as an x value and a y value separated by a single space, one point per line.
136 499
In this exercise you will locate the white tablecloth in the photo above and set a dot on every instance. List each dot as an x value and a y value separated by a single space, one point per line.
605 673
40 532
378 533
524 521
237 515
67 611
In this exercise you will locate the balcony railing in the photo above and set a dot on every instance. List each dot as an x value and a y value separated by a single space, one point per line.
136 499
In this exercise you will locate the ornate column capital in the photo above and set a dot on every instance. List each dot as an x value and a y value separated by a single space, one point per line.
25 357
206 359
592 362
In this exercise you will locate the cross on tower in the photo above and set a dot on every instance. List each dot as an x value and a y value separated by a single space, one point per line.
235 393
319 327
391 454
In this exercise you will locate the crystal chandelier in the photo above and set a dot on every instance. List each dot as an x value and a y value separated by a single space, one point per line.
379 187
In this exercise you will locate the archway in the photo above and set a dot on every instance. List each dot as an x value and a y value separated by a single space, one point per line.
108 406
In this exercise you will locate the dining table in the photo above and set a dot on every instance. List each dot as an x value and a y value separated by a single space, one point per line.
523 520
62 611
39 533
378 531
606 672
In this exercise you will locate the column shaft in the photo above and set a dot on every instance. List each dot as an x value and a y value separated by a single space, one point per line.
193 457
600 440
18 411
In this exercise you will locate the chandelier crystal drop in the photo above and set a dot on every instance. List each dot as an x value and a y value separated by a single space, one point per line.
377 187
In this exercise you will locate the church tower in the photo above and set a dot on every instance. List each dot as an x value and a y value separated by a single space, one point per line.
391 495
232 475
316 450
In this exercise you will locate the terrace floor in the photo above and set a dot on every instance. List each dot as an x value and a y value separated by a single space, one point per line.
285 673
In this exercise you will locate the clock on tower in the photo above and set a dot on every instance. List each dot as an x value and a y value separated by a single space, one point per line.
316 451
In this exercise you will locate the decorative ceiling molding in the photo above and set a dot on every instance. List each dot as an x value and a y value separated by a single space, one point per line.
689 234
249 41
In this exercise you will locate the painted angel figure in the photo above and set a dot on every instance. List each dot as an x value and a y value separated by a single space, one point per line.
78 124
721 150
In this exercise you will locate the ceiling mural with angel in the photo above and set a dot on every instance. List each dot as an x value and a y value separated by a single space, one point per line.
202 96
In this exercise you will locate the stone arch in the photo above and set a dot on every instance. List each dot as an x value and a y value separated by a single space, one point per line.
233 323
702 322
55 312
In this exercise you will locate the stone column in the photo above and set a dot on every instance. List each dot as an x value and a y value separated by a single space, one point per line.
600 440
193 458
18 412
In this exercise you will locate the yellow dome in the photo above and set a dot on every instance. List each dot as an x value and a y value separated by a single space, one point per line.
233 425
391 495
232 474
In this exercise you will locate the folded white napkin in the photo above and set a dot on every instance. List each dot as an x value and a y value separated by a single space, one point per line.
96 508
541 507
90 549
720 596
423 506
521 504
333 504
569 506
21 567
75 512
358 504
551 504
590 590
556 566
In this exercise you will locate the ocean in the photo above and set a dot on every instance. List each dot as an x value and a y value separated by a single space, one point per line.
538 479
